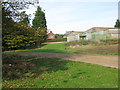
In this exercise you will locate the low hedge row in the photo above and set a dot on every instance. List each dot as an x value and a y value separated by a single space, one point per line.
94 42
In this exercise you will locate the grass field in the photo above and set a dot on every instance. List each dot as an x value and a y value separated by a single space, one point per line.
84 49
57 73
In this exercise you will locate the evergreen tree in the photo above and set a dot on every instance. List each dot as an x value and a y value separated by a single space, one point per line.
39 24
39 20
117 24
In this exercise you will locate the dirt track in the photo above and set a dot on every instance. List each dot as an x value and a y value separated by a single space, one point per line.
109 61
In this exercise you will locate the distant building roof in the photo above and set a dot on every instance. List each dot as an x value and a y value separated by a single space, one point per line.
99 29
74 33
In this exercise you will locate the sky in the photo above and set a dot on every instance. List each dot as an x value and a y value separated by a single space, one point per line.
75 15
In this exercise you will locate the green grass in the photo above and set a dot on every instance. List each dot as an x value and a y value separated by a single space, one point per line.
84 49
57 73
56 40
53 48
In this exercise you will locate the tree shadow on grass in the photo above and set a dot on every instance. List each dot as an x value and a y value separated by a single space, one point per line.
24 48
64 50
49 65
16 66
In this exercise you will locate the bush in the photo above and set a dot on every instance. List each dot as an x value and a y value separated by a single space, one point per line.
21 36
110 41
82 42
57 40
94 42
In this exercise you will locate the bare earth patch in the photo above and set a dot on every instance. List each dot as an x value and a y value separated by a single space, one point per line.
109 61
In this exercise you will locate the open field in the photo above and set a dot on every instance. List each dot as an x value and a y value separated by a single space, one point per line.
108 61
84 49
57 73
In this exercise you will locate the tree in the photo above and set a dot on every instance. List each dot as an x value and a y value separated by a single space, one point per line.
39 24
15 31
15 7
25 18
40 36
39 20
117 24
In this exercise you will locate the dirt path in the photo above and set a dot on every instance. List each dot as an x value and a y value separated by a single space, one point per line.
110 61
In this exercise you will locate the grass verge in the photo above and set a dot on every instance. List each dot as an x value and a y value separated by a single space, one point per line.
58 73
87 49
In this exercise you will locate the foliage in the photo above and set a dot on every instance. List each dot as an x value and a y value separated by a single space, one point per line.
39 24
117 24
25 18
21 36
16 31
110 41
39 20
82 42
15 7
57 73
94 42
59 35
56 40
40 35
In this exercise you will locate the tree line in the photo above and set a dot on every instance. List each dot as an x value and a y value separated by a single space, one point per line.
16 30
117 23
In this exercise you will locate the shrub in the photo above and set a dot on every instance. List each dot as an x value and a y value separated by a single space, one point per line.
110 41
82 42
21 36
94 42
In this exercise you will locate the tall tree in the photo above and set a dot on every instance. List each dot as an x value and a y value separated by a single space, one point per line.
39 20
39 24
25 18
117 24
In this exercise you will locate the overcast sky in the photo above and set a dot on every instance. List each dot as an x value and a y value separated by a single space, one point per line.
64 16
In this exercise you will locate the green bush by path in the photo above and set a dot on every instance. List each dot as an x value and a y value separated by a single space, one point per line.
110 41
82 42
57 73
94 42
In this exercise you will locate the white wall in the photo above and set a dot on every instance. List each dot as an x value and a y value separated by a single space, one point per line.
115 35
73 37
88 36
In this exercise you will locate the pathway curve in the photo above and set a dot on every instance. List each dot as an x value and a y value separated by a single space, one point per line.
109 61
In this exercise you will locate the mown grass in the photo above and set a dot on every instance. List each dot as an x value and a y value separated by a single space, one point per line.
56 40
58 73
53 48
83 49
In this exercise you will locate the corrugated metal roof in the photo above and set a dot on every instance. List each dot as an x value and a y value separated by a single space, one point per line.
74 33
98 29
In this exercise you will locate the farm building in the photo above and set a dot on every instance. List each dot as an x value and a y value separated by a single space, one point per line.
75 36
50 35
102 33
94 33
